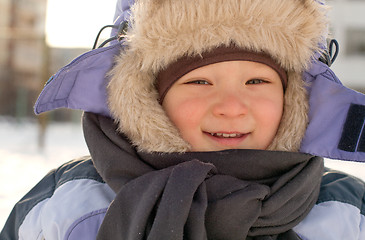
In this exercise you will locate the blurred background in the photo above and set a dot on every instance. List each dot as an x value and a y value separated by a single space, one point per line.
37 37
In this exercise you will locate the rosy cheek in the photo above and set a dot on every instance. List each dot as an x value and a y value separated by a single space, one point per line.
270 117
187 114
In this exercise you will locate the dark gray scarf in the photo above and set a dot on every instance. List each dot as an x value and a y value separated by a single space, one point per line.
232 194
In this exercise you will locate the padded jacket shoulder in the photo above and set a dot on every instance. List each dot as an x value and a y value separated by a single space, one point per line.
63 196
70 203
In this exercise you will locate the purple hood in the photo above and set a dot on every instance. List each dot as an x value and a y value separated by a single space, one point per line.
336 115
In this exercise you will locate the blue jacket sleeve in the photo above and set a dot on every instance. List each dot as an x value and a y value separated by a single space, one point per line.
44 190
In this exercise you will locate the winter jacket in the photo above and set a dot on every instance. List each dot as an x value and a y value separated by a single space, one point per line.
70 203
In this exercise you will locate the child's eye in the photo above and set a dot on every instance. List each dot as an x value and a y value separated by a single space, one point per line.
256 81
200 82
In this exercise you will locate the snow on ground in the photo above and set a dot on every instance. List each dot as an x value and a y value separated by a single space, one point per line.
23 164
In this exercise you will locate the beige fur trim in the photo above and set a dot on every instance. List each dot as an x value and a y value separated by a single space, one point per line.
133 101
295 118
164 30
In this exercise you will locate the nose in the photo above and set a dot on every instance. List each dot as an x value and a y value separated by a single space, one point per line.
231 105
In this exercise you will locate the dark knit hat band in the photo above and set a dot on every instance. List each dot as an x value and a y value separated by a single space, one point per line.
167 77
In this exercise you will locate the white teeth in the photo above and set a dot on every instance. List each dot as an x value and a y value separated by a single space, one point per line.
226 135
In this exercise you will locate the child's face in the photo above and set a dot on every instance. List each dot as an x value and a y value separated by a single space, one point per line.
227 105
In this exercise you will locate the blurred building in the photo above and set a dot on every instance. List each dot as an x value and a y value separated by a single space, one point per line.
348 27
26 62
21 53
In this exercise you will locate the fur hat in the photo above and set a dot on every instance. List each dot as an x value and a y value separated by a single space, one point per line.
162 31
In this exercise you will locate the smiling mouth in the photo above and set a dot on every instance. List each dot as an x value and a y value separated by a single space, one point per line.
227 135
227 140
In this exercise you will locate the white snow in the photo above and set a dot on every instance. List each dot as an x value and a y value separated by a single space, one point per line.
23 164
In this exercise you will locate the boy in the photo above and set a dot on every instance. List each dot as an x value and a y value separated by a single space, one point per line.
227 105
198 95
